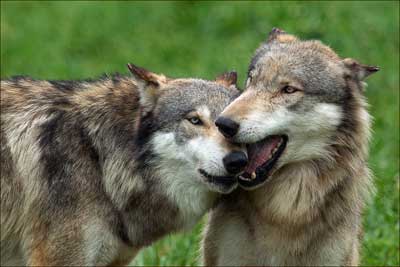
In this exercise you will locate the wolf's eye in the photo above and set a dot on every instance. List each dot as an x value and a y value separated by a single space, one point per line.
195 120
289 89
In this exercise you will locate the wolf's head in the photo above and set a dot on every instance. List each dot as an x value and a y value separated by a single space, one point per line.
177 124
299 95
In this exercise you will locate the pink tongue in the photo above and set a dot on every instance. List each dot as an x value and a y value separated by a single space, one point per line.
259 153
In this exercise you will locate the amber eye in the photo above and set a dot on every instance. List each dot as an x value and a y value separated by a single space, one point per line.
195 120
289 89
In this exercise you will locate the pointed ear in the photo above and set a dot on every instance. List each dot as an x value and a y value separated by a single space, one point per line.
227 79
148 84
146 76
358 71
278 35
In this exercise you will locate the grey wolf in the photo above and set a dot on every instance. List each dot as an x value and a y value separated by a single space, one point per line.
92 171
304 119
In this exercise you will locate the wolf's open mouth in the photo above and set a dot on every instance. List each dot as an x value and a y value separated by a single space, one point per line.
226 181
263 156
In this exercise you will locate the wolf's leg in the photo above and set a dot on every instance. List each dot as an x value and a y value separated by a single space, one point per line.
208 257
227 241
209 243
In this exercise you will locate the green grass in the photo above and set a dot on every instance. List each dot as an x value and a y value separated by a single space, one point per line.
82 39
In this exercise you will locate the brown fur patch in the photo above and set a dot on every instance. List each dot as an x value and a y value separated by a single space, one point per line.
39 256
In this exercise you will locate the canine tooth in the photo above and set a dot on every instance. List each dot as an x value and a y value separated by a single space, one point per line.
253 175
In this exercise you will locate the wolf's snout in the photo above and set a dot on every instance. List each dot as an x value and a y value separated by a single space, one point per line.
227 126
235 162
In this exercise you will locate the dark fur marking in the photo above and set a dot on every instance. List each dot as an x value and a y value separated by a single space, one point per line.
121 230
143 207
65 85
20 77
253 63
145 129
61 101
116 78
55 161
48 130
17 78
349 124
86 142
334 198
71 85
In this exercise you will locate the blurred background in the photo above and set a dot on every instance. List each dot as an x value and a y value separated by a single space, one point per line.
73 40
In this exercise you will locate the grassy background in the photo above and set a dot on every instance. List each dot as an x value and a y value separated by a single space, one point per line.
84 39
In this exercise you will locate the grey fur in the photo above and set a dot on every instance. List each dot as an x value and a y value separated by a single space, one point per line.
83 181
308 212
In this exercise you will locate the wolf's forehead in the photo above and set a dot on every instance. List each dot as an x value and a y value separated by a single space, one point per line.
184 97
295 54
302 66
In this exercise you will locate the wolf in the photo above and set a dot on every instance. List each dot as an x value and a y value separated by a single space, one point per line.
303 117
92 171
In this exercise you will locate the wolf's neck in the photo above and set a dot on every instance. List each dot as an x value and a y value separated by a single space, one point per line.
300 193
191 197
163 204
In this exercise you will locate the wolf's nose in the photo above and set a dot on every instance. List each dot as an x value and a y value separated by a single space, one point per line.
227 126
235 162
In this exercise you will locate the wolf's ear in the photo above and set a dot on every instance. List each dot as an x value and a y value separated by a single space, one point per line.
278 35
148 84
358 71
227 79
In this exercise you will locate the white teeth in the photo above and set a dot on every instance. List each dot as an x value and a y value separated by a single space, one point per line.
244 178
253 175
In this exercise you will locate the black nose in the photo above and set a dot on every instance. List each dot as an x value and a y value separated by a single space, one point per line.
235 162
227 126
